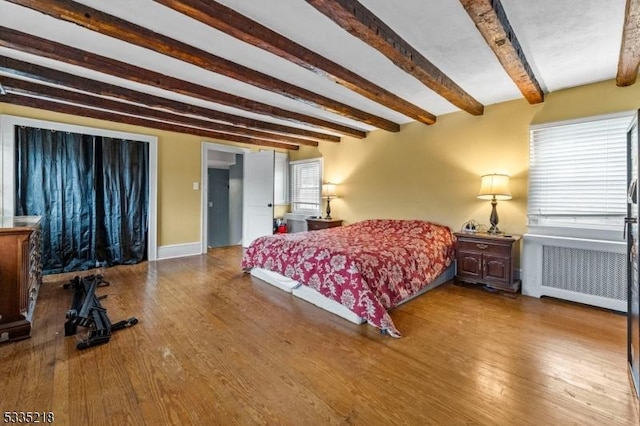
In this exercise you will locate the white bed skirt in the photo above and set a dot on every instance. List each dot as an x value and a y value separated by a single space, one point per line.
315 297
275 279
312 296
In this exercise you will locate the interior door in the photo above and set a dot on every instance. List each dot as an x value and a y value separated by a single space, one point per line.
633 273
218 208
258 195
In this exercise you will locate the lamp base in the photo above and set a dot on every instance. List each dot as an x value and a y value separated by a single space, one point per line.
494 230
328 216
493 219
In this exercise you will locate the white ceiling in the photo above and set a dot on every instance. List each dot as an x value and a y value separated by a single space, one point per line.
567 43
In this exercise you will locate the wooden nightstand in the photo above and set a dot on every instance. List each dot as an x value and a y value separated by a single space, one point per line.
487 259
316 224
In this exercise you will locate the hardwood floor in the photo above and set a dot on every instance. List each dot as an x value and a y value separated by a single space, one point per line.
216 346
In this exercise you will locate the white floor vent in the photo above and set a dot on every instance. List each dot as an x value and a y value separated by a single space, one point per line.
581 270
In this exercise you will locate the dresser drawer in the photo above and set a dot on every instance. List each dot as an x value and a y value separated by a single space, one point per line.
484 246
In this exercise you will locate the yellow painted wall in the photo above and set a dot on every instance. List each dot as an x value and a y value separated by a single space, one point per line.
179 166
426 172
595 99
433 172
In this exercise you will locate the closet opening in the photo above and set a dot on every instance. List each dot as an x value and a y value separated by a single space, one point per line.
94 189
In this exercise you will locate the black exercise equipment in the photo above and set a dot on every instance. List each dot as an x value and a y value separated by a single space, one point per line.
87 311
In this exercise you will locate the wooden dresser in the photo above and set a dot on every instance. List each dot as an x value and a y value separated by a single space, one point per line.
20 274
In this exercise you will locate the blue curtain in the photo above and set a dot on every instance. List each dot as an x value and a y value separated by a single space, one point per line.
122 192
91 192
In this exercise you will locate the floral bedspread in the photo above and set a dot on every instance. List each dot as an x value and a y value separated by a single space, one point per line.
369 267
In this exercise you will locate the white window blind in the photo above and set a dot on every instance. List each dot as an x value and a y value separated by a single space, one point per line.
306 184
578 174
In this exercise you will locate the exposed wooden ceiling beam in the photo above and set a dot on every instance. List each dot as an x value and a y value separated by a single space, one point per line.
118 28
239 26
83 111
48 75
24 42
491 20
360 22
31 89
630 46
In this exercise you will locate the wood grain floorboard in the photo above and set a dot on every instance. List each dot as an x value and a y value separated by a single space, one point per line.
216 346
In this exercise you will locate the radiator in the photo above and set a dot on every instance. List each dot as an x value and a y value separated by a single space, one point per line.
296 222
580 270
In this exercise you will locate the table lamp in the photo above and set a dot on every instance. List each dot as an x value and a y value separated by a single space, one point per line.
494 187
329 192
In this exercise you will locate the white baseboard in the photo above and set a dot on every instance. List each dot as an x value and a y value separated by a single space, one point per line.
179 250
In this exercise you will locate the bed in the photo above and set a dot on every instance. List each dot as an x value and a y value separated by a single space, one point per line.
365 268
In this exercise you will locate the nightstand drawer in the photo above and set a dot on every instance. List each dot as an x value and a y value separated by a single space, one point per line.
483 246
314 226
317 224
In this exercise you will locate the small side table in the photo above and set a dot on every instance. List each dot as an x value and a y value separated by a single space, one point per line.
317 224
487 259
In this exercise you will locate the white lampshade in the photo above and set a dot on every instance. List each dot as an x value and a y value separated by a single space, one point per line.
329 190
494 185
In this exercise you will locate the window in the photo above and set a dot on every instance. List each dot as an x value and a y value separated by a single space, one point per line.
306 184
578 173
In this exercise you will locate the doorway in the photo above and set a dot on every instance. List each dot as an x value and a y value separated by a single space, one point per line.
225 181
222 195
250 194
